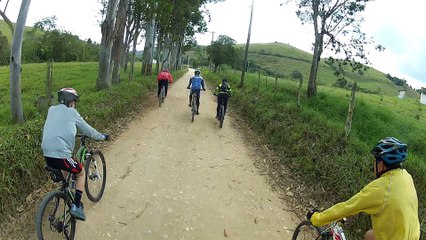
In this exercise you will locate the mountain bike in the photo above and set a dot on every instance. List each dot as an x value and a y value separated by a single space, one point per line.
53 218
221 113
305 230
162 95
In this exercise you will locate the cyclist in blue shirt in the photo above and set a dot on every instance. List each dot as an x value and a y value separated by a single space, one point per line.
196 83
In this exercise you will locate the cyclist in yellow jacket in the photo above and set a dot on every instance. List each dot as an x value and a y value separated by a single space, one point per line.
391 199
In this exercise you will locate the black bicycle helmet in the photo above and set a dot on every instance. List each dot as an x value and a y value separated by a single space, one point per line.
67 95
197 72
391 151
224 80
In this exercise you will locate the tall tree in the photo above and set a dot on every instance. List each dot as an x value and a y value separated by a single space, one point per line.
222 51
109 33
118 46
336 27
16 108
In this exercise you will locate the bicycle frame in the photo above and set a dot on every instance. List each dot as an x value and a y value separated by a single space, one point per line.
335 231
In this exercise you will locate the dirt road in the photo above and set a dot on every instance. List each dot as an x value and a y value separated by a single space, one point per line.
169 178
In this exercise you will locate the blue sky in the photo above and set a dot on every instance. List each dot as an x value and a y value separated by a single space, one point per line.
395 24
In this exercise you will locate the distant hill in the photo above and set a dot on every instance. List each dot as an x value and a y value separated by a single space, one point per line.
278 59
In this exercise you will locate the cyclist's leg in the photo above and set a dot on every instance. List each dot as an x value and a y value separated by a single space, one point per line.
369 235
225 104
166 83
190 97
158 88
198 99
218 106
71 166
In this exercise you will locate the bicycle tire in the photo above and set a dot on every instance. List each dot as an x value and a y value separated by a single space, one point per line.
306 231
221 115
52 227
161 97
96 174
193 107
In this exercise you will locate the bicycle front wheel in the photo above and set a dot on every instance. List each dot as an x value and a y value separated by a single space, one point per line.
95 167
53 218
306 231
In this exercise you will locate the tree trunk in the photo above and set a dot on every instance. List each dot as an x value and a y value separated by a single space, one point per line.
118 46
127 39
16 108
348 124
132 60
108 36
148 49
312 83
165 53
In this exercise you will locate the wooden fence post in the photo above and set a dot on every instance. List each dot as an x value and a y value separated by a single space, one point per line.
299 92
49 82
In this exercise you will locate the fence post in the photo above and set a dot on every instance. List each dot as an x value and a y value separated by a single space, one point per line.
49 82
299 92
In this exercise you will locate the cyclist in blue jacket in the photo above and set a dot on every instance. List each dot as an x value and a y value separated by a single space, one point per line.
196 83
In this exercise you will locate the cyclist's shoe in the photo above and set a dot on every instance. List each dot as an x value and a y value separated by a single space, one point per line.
217 117
197 113
189 105
77 212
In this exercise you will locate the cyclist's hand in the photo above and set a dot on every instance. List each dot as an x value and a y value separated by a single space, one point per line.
106 136
310 213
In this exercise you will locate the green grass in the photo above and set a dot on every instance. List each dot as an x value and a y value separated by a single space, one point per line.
310 140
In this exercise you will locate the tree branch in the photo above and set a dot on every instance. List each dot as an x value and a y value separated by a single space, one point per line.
6 19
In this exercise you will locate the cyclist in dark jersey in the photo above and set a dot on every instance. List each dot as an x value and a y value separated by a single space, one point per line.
223 93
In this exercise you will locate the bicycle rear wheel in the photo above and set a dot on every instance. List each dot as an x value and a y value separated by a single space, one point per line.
193 107
162 96
53 218
221 115
306 231
95 167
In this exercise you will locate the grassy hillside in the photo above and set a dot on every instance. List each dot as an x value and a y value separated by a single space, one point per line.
5 30
284 59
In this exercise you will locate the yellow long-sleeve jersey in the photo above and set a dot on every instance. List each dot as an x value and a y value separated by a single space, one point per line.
392 202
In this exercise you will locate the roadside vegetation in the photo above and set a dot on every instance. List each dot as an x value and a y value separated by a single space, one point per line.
21 161
310 140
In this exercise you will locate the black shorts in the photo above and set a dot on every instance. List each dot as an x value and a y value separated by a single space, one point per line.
66 164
